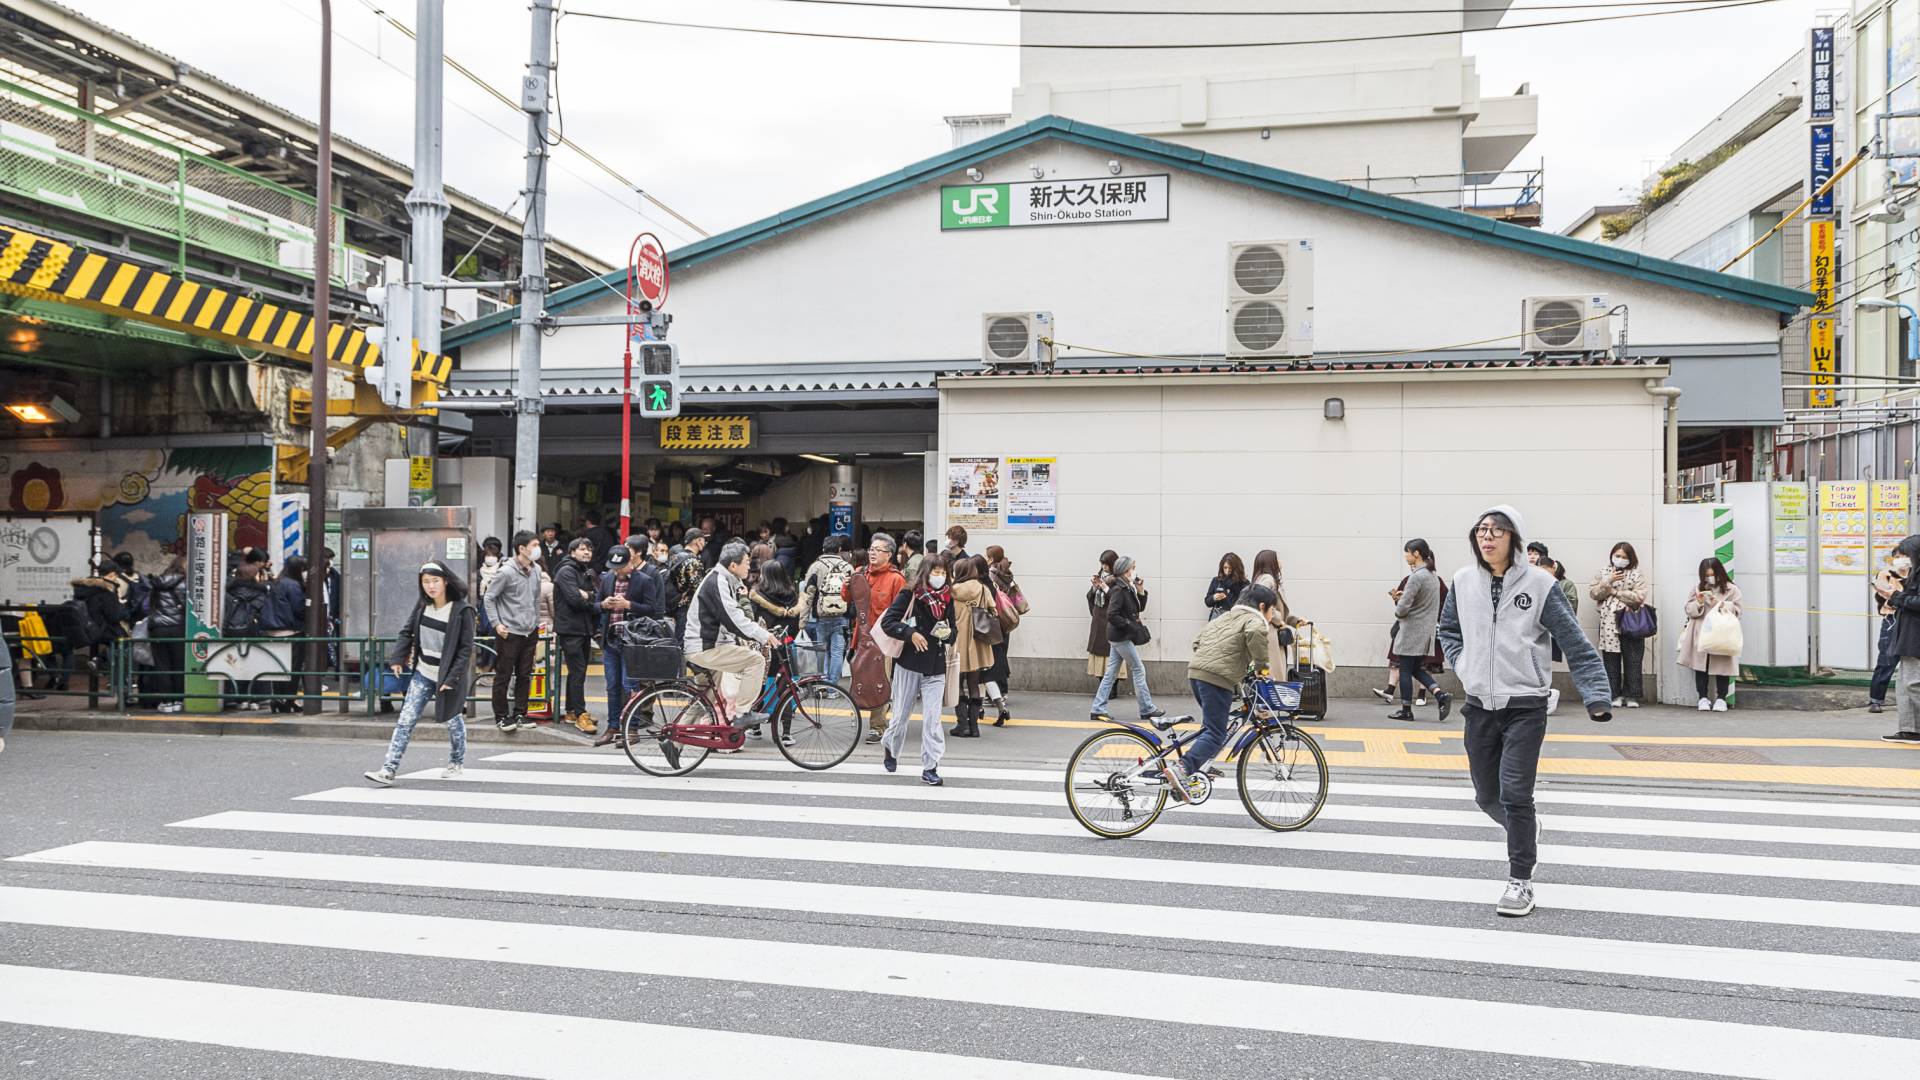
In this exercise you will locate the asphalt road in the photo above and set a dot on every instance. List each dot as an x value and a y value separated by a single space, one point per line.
242 907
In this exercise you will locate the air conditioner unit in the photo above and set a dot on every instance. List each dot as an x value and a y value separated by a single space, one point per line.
1270 298
1017 339
1565 324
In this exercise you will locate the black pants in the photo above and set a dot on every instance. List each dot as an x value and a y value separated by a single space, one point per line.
166 681
1624 667
1884 663
1503 754
1411 668
574 649
1720 684
512 663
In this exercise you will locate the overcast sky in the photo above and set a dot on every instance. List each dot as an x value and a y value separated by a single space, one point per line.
728 128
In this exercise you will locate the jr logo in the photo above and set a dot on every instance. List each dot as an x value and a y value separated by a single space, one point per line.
979 201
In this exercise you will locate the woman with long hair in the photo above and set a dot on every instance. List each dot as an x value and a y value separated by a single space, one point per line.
1013 605
1621 588
972 593
1712 672
435 645
1097 647
775 604
1224 590
1416 614
920 616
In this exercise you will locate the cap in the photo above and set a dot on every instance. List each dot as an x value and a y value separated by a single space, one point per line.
692 535
618 555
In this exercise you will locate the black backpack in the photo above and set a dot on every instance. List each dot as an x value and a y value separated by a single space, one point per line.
83 628
243 618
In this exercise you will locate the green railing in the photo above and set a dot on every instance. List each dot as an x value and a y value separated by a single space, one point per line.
54 153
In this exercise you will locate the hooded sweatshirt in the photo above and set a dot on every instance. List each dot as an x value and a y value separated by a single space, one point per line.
1496 632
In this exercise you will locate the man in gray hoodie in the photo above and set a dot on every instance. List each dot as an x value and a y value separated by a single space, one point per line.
1495 627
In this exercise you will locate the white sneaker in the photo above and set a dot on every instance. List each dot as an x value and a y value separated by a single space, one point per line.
1720 705
3 746
1633 703
1553 701
1517 900
382 776
452 772
1706 705
1619 703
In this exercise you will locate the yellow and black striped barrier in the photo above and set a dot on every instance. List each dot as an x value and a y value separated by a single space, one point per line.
44 269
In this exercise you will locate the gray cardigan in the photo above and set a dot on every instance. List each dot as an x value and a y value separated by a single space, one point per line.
1417 615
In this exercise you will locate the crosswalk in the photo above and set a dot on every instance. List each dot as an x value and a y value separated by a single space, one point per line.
557 914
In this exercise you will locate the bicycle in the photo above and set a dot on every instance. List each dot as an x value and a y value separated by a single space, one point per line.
670 728
1117 780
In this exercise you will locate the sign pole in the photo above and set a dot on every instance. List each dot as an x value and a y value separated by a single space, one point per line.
646 271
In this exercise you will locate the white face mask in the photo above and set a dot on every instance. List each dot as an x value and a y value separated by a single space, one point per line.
1619 562
493 560
1902 564
937 581
534 553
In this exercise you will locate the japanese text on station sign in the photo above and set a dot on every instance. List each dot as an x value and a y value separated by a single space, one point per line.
707 433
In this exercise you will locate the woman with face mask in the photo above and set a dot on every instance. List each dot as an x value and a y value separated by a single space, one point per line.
1712 674
1621 588
1887 586
1905 644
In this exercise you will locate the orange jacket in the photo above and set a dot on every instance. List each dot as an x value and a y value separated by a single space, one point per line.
880 588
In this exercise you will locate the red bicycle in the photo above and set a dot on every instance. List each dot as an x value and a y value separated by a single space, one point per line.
671 727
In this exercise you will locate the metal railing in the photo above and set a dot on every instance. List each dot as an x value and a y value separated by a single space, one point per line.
55 153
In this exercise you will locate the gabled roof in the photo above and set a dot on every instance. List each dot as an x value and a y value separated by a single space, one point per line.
1279 181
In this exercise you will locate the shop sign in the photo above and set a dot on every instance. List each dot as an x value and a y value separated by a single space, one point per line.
1820 73
707 433
1101 200
1820 166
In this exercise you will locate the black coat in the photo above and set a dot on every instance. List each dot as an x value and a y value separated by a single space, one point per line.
456 657
1233 589
1124 606
932 661
574 615
645 589
1906 620
167 605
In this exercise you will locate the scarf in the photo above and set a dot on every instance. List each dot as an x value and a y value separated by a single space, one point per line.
935 600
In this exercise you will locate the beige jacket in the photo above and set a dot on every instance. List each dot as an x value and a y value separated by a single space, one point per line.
1698 605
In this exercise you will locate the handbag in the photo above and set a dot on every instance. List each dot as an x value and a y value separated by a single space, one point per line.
142 647
1020 604
1141 635
951 695
1640 622
1720 633
985 624
1009 614
889 646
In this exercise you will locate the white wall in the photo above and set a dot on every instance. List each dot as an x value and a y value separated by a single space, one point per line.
1746 182
883 283
1178 471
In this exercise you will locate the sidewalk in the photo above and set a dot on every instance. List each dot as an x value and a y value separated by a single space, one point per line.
1774 748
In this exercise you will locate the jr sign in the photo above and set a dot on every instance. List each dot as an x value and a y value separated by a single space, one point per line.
1099 201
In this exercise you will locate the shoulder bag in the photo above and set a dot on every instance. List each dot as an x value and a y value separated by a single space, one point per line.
1640 622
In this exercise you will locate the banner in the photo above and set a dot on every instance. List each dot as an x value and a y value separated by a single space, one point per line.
1789 528
973 492
1033 494
1843 527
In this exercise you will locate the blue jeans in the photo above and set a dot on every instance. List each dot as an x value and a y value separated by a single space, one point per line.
1214 705
611 661
1118 651
419 696
832 632
1884 663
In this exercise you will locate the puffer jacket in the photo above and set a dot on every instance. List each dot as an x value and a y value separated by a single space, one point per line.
1228 646
167 606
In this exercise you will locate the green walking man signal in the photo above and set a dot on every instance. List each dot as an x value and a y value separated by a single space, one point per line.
660 381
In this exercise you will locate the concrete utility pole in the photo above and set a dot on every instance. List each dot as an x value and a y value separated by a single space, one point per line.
317 438
427 201
533 271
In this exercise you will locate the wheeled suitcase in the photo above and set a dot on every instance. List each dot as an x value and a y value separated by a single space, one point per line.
1312 678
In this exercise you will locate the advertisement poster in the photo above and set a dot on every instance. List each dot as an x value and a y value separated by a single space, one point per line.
1843 527
41 555
1890 518
1033 493
973 492
1789 528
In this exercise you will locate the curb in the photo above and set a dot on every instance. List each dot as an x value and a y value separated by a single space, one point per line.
477 732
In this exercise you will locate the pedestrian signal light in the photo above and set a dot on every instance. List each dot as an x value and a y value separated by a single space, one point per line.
658 399
660 380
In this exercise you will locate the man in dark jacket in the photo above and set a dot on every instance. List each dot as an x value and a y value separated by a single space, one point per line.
166 630
574 620
631 588
1126 602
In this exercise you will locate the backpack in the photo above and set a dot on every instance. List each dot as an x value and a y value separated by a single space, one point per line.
85 629
828 601
243 620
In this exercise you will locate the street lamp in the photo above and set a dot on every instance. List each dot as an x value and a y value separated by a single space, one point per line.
1880 303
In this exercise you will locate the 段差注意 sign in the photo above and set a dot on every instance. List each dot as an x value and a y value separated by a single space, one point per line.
1099 201
707 433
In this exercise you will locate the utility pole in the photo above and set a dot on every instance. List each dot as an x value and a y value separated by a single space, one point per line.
533 271
322 339
427 202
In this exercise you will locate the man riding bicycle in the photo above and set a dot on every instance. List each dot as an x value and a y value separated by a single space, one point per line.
717 630
1225 650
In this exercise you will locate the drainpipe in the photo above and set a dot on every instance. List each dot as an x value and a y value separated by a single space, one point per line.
1672 394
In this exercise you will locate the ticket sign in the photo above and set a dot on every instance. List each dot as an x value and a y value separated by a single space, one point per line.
1891 515
1843 527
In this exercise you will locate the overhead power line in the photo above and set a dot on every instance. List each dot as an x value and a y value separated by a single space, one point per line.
899 5
1133 46
563 140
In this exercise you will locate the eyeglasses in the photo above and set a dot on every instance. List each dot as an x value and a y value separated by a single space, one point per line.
1491 532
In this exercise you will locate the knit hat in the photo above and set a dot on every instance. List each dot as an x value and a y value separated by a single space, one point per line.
1121 565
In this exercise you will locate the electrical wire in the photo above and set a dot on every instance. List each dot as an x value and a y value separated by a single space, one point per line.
468 74
1319 357
1454 10
1706 5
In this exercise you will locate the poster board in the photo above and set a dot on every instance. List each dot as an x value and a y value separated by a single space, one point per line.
1033 493
973 492
1888 523
1789 517
42 554
1843 527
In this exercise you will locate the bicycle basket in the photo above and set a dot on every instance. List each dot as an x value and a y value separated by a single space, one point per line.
656 662
809 659
1275 696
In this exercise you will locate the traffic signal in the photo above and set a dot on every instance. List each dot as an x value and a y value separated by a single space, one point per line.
659 380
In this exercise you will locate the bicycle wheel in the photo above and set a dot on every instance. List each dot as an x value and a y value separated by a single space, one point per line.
643 723
1283 778
822 721
1103 786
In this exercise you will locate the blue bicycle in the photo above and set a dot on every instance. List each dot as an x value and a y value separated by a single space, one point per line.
1118 780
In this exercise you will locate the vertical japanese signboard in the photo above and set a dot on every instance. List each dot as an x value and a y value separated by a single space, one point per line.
1891 506
973 492
1820 167
1843 527
1789 528
1033 494
1820 352
1820 73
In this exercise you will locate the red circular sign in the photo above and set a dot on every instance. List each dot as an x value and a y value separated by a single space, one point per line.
650 270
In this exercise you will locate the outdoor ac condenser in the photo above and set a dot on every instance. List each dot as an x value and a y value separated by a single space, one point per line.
1017 340
1566 324
1270 298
